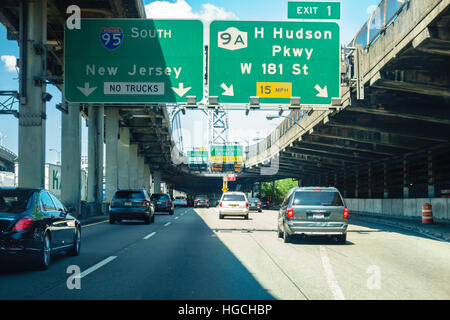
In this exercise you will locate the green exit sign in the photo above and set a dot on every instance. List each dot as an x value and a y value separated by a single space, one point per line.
314 10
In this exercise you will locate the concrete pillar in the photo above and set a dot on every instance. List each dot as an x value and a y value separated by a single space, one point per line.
369 181
133 166
385 181
147 178
124 158
356 183
112 151
431 189
32 109
71 157
95 153
156 176
140 176
405 179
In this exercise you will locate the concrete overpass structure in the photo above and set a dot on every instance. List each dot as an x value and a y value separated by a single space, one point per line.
392 142
7 159
137 139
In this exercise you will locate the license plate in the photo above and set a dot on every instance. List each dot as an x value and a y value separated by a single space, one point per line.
233 205
318 216
127 204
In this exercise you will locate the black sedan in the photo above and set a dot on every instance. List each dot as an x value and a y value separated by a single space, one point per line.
162 202
34 224
255 204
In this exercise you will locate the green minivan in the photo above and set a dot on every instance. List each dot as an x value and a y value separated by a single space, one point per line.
313 211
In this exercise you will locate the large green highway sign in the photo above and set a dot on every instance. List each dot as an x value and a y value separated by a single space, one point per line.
274 61
134 61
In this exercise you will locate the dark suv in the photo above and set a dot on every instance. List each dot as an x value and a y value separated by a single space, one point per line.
201 201
313 211
131 204
162 202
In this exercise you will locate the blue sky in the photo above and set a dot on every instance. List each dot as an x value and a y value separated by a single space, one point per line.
353 14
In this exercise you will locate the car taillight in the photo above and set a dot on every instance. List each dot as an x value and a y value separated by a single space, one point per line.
23 224
290 212
220 204
316 189
345 213
145 203
246 204
259 203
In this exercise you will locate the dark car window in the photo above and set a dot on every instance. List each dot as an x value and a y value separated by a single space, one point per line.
128 194
233 197
254 200
59 205
201 197
15 201
317 198
47 203
157 196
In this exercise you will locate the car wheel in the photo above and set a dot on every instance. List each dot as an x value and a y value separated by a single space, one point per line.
43 260
152 219
171 212
75 251
147 220
246 217
112 221
220 216
286 237
280 234
260 210
342 239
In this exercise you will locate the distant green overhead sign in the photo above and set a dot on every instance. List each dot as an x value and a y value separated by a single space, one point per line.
314 10
134 61
197 157
227 154
274 60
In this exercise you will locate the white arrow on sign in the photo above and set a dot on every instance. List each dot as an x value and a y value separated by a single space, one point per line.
228 90
86 90
323 93
181 90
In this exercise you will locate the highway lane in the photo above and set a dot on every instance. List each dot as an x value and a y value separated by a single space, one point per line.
378 262
194 255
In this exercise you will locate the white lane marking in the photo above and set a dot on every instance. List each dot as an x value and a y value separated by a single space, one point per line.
176 218
332 282
97 266
166 224
149 235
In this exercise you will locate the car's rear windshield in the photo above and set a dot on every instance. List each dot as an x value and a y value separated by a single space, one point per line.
15 201
254 200
201 197
157 196
128 194
233 197
317 198
179 198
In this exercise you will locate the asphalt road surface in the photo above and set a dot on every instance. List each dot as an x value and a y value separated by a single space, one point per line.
194 255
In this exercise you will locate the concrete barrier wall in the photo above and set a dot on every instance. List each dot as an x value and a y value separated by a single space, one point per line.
401 208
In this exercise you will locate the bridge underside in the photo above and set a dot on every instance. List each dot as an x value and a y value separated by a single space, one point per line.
395 142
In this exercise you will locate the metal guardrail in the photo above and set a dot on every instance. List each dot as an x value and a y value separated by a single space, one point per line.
386 12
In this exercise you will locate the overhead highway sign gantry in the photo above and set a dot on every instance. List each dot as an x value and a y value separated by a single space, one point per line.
134 61
270 62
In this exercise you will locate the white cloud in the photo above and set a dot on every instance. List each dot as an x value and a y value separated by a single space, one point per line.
371 9
10 63
182 10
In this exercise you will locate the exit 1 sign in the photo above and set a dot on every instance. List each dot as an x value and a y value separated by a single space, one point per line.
314 10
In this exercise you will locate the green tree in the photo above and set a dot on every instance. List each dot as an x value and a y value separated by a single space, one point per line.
280 191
